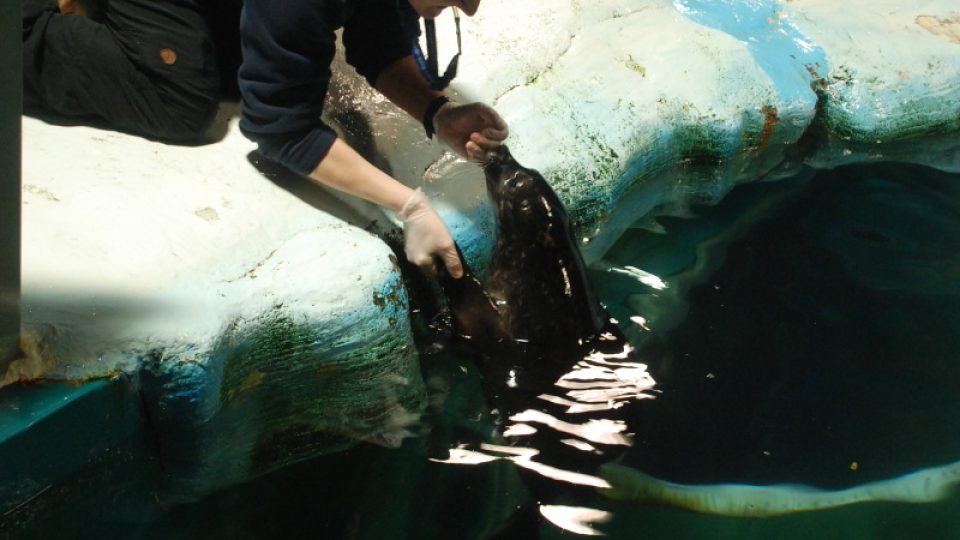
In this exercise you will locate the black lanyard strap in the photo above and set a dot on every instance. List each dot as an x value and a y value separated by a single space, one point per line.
428 63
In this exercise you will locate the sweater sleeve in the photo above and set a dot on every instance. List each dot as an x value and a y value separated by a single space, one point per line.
287 51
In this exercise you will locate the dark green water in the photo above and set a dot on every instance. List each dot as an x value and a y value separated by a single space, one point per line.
820 329
822 349
830 335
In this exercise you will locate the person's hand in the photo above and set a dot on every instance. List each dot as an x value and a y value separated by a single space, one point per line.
426 236
470 130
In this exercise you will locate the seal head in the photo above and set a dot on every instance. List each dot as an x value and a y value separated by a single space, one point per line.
536 277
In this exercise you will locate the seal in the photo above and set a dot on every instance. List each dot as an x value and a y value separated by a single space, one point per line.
555 368
536 290
536 275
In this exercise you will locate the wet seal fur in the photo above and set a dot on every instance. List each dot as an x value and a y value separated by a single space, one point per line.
555 369
535 270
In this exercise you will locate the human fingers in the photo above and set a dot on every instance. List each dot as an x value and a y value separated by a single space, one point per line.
475 152
485 143
452 262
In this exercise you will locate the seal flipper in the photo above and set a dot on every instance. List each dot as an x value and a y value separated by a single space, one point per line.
475 315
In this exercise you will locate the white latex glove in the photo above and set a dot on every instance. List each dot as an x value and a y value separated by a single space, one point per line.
426 236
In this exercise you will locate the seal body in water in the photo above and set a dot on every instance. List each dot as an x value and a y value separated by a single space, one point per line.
556 370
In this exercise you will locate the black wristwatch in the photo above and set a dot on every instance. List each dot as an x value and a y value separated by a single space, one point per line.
431 111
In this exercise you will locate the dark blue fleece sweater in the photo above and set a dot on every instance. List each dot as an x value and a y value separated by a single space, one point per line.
287 50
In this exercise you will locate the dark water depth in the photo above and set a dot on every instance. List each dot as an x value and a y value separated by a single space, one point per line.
825 349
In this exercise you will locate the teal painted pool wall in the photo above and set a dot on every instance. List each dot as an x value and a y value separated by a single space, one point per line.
51 430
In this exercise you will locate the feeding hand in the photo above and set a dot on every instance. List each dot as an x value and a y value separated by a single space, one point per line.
470 130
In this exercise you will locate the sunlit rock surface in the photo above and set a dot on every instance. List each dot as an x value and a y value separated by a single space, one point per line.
644 106
891 82
892 67
260 327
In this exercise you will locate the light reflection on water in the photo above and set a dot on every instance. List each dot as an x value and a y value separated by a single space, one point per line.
820 349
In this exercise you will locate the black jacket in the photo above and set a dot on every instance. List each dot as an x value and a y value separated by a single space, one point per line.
148 67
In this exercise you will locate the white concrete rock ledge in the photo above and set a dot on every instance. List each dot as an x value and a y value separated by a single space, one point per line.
259 322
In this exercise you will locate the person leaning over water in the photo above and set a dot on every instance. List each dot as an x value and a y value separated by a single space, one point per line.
288 47
154 68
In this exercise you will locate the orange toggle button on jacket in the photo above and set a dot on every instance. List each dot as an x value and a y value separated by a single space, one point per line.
168 56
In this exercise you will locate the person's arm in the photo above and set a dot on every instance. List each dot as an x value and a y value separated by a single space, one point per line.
471 129
425 234
287 50
345 170
283 80
402 83
379 48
